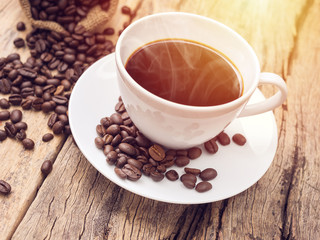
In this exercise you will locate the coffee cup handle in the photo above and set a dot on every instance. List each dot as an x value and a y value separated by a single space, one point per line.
271 102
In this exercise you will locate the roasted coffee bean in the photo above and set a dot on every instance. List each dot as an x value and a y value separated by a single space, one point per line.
52 120
5 187
203 187
172 175
28 143
101 130
46 167
40 46
13 74
19 43
10 129
107 148
27 91
132 172
13 56
116 140
142 141
26 104
121 161
69 58
47 137
21 26
49 89
4 103
116 118
157 152
194 171
27 73
120 108
99 142
120 173
108 31
223 139
46 107
21 134
126 10
161 168
181 152
58 127
211 146
67 130
5 86
60 100
189 184
4 115
112 157
153 162
3 135
127 148
171 152
37 104
208 174
156 176
113 129
189 177
182 161
239 139
135 163
148 168
60 109
194 152
15 116
21 125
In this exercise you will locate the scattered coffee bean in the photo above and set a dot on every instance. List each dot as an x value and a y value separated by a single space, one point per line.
223 139
194 171
120 173
172 175
10 129
189 177
19 43
21 26
132 172
189 184
58 127
46 167
15 116
157 152
28 143
156 176
4 103
21 125
5 187
211 146
208 174
182 161
4 115
21 134
239 139
194 152
127 148
3 135
47 137
203 187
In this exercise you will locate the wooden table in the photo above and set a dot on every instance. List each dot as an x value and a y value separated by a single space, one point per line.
76 201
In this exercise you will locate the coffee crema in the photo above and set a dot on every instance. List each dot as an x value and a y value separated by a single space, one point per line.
185 72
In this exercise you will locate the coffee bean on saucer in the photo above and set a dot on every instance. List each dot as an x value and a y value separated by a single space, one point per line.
239 139
203 187
46 167
5 187
120 173
156 176
182 161
223 139
156 152
194 171
194 152
172 175
211 146
132 172
208 174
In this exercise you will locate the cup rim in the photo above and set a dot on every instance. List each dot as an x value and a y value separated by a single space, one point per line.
240 100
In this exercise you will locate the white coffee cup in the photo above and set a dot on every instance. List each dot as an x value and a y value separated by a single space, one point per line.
181 126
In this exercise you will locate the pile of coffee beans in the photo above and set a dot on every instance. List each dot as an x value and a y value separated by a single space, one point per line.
134 155
45 80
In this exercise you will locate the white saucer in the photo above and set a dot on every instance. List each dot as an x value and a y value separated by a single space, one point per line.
95 95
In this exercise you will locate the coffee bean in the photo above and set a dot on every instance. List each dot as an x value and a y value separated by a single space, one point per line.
26 104
16 116
69 58
127 148
203 187
120 173
21 134
156 176
188 177
161 168
27 73
13 74
13 56
182 161
19 43
121 161
208 174
47 137
10 129
171 152
142 141
211 146
120 108
189 184
3 135
99 142
194 152
157 152
181 152
4 115
58 127
172 175
21 125
107 148
112 157
60 109
116 140
46 167
239 139
46 107
135 163
37 104
223 139
4 103
60 100
116 118
28 143
132 172
21 26
52 120
108 31
193 171
126 10
113 129
5 187
5 86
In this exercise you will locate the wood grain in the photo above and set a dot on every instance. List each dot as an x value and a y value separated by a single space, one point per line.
76 201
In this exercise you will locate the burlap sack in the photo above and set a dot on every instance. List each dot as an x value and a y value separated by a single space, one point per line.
95 17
